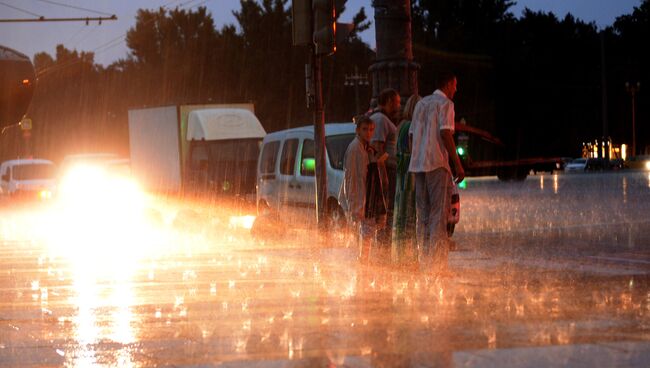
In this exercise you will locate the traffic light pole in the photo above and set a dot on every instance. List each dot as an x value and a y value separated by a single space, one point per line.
314 25
319 141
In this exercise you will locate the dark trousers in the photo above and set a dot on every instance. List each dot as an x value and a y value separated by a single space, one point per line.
384 236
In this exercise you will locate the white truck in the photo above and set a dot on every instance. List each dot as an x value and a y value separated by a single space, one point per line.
195 148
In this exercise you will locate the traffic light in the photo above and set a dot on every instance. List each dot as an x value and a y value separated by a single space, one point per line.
324 26
301 22
461 146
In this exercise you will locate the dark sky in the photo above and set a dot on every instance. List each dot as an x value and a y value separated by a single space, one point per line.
107 40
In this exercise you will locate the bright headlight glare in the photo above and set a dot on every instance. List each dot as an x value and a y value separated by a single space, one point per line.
245 222
97 209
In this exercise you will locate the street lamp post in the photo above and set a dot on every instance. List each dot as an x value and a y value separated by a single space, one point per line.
632 89
355 80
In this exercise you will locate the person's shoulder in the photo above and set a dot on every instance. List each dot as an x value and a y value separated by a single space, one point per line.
374 113
356 146
427 100
447 103
441 100
446 100
378 116
424 104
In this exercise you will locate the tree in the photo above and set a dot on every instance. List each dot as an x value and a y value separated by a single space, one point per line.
534 81
177 57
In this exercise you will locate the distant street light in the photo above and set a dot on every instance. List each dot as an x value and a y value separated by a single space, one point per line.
355 80
632 89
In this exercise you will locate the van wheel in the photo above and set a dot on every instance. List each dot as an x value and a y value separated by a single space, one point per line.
267 227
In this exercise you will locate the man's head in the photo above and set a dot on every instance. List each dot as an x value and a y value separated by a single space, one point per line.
389 101
365 127
447 83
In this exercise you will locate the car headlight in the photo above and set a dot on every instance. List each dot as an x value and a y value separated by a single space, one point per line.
647 165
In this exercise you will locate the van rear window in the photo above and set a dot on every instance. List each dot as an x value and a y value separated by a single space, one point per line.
269 157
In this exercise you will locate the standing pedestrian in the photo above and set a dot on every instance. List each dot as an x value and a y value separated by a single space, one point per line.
433 146
361 192
384 140
403 250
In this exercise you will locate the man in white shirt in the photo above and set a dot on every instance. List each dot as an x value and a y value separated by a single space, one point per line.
432 132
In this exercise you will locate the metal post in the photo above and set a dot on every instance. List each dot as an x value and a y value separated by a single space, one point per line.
633 122
603 86
319 142
356 90
633 88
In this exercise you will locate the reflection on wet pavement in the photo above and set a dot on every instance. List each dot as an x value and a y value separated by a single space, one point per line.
539 266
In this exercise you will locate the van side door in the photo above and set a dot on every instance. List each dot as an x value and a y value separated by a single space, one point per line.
287 185
305 175
267 176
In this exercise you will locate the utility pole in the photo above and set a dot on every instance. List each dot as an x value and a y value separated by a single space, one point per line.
314 25
394 66
633 89
355 80
603 87
319 142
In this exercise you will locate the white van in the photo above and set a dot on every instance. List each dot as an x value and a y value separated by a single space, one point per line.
286 182
29 177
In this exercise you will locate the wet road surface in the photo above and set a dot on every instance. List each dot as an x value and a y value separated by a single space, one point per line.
551 271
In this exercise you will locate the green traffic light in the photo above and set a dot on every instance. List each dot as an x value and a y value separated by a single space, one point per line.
461 151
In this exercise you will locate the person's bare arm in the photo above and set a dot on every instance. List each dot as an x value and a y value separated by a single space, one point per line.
448 141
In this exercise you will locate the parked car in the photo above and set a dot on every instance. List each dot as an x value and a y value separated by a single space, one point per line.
616 163
30 178
577 165
286 181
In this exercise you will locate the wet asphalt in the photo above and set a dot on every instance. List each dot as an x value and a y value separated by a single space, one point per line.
552 271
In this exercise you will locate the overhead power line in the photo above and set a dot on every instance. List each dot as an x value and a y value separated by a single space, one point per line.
74 7
43 19
111 43
20 9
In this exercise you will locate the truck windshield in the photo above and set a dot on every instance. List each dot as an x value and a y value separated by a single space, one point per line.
227 166
234 151
33 172
336 147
